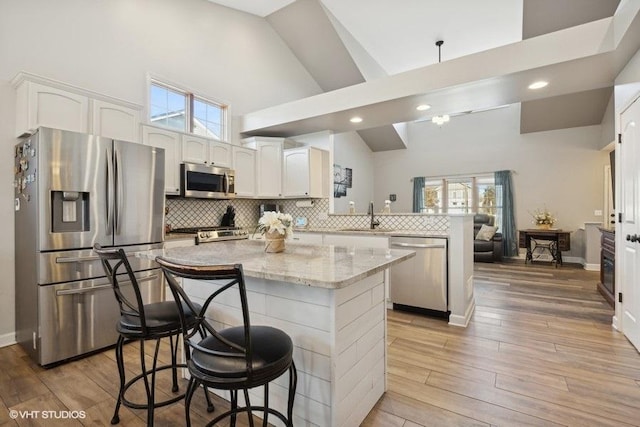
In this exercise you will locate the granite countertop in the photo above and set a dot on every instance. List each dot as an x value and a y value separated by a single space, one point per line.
329 267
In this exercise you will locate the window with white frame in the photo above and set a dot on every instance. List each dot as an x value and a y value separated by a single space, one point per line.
463 194
184 111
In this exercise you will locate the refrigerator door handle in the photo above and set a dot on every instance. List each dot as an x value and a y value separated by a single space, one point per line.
63 260
110 195
119 190
82 290
108 285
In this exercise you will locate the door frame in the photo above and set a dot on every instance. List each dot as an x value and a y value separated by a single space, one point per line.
619 238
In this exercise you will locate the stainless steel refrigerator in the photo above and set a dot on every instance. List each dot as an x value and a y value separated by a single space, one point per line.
74 190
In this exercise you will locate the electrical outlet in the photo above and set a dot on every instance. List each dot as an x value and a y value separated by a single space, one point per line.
597 212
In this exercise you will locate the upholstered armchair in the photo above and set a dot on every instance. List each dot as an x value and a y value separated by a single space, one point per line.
487 244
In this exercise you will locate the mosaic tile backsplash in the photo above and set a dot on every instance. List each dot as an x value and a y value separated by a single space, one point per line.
201 212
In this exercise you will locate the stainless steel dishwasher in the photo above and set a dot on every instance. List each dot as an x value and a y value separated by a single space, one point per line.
420 283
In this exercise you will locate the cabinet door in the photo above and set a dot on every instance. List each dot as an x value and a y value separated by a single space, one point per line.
115 121
195 149
353 240
170 141
269 169
39 105
220 153
295 180
244 163
306 238
305 173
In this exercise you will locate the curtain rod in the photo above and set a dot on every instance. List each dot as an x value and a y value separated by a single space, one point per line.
470 175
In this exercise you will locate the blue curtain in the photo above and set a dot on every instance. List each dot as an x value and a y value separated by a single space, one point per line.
418 194
504 188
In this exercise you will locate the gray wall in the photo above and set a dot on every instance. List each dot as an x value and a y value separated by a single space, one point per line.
110 46
562 170
350 151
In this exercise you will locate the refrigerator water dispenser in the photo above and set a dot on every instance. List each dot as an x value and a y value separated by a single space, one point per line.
70 211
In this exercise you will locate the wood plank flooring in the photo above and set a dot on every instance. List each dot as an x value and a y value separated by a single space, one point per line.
540 351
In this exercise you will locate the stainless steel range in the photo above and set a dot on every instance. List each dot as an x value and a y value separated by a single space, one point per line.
214 234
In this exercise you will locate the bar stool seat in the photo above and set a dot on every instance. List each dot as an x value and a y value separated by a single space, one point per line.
270 356
236 358
142 322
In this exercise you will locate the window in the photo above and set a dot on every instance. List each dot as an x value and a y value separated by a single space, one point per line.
183 111
473 194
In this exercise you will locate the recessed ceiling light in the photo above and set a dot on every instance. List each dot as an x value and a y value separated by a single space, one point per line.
423 107
538 85
355 119
439 120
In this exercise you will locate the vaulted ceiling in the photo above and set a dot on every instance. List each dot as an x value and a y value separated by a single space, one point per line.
373 51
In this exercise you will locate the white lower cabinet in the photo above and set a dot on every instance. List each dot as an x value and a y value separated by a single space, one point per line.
355 240
171 142
305 238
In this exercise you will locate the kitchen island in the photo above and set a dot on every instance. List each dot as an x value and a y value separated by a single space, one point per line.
329 299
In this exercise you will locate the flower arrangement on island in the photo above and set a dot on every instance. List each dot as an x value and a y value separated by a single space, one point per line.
276 222
542 217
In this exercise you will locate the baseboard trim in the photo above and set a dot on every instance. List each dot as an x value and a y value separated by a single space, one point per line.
7 339
592 267
463 321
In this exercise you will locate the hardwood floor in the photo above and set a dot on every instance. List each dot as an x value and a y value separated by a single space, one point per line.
539 351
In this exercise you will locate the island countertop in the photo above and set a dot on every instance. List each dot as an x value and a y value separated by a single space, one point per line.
331 267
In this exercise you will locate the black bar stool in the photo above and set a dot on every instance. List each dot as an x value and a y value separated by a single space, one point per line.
236 358
142 322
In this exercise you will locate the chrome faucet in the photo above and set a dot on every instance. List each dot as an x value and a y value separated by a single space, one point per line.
374 222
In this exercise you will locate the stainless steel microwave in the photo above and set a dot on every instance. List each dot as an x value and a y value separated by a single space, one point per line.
206 182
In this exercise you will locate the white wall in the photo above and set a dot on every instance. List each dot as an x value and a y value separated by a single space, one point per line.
110 46
562 169
350 151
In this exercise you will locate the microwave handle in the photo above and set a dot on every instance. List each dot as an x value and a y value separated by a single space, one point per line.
226 183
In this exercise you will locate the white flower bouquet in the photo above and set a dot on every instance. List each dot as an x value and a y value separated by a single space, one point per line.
276 222
543 217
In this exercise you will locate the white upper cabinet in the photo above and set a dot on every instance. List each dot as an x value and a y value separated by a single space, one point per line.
44 102
220 153
39 105
305 172
268 164
244 164
172 145
115 121
196 149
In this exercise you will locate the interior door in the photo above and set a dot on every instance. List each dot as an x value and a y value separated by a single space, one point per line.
629 282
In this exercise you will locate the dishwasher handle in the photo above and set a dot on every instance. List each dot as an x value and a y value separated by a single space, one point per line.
419 246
